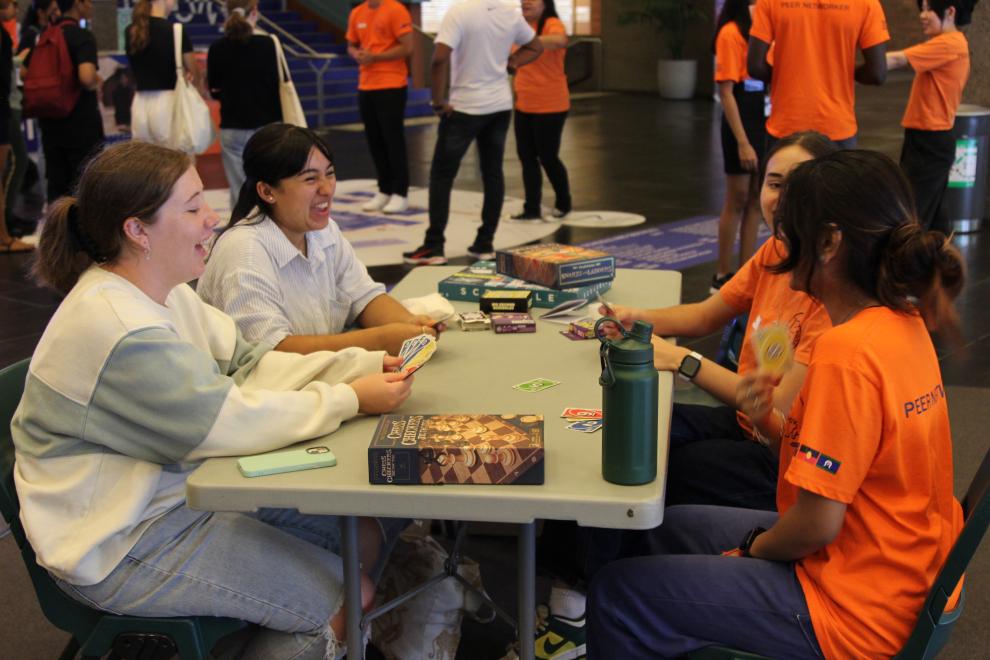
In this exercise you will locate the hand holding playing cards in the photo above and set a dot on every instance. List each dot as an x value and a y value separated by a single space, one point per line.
754 394
381 393
391 335
622 313
391 362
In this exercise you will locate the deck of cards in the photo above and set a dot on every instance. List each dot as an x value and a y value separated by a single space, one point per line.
585 420
774 352
416 352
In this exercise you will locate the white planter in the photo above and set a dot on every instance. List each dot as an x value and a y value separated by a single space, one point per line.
676 78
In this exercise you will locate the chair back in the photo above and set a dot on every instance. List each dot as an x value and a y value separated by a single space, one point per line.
931 632
61 610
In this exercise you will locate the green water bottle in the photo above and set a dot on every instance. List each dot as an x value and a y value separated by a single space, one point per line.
630 390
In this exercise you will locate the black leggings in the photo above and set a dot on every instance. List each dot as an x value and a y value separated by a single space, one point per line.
538 143
926 159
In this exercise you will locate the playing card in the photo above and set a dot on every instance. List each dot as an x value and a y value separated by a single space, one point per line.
585 425
536 385
582 413
565 311
418 356
413 344
774 352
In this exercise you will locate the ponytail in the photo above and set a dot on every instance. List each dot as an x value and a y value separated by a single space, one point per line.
61 256
139 30
237 26
923 266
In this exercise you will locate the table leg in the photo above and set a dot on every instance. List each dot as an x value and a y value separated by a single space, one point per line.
352 587
526 565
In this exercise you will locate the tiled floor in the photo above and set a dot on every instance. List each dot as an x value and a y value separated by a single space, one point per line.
660 159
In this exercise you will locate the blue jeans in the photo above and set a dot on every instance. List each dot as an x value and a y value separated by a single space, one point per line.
690 597
455 135
276 568
232 142
713 461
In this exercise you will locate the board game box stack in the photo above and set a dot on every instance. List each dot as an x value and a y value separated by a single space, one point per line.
471 283
556 265
457 449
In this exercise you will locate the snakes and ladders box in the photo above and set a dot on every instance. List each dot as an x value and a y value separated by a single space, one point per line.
457 449
555 265
472 282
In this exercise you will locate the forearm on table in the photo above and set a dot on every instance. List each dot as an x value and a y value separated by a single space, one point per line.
369 339
382 310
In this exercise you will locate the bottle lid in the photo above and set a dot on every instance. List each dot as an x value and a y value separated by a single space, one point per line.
634 347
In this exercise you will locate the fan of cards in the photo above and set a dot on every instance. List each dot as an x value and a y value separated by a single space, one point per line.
586 420
416 352
774 352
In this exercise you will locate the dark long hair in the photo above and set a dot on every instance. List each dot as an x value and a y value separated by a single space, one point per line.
129 179
139 30
733 11
886 253
549 11
274 153
813 142
964 9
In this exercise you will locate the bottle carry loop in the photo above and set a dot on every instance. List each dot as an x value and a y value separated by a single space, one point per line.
607 379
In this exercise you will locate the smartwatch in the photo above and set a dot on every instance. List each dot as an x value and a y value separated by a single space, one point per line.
690 366
747 542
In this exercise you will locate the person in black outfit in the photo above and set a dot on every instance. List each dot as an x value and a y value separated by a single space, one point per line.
7 242
150 46
242 73
68 142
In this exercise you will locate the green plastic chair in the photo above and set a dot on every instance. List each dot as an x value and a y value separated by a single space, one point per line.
931 631
94 633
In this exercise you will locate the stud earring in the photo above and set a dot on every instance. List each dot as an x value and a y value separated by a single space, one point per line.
147 252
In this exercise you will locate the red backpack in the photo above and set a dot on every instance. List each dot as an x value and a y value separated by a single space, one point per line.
51 86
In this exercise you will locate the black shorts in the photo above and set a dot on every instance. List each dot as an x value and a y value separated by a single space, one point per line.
754 123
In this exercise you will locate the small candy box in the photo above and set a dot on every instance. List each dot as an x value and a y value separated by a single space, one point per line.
471 321
505 300
513 322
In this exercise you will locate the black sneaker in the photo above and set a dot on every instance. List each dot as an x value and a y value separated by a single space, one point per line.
483 252
525 216
718 281
425 255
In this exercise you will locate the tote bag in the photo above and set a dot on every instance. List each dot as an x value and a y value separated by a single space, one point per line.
192 127
292 112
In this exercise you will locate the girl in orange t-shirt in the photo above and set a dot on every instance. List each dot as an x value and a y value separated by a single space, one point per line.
743 137
542 102
866 509
941 67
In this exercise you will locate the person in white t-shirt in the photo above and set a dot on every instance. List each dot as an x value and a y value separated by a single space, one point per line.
474 42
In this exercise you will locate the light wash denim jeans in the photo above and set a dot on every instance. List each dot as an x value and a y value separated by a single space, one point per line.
277 568
232 142
687 596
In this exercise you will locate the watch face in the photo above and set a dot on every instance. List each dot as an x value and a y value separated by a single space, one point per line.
690 366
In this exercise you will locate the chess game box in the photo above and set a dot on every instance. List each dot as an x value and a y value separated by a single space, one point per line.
555 265
457 449
469 284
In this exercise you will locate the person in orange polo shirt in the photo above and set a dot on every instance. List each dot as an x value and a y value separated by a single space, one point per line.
379 37
743 138
941 67
542 102
866 515
814 65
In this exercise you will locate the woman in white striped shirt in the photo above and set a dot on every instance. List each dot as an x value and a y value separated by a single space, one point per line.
285 272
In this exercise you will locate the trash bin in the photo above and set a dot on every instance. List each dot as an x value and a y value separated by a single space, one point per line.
965 199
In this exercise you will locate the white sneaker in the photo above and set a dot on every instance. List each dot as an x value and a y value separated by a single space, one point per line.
376 203
396 204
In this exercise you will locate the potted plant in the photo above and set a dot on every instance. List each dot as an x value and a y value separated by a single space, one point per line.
671 19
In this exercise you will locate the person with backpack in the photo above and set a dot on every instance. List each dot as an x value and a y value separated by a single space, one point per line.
8 244
150 45
60 90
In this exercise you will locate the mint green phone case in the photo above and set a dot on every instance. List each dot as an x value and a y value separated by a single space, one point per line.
286 461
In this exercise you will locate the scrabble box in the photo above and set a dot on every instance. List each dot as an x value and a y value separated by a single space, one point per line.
457 449
469 284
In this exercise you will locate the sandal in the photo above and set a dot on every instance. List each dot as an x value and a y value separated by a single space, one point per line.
14 246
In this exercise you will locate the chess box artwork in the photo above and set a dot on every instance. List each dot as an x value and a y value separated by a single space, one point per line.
457 449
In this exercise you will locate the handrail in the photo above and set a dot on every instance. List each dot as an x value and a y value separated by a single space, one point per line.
307 51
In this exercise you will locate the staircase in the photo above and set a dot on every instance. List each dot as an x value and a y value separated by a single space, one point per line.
203 21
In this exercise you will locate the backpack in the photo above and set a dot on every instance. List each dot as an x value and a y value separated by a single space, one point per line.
51 86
